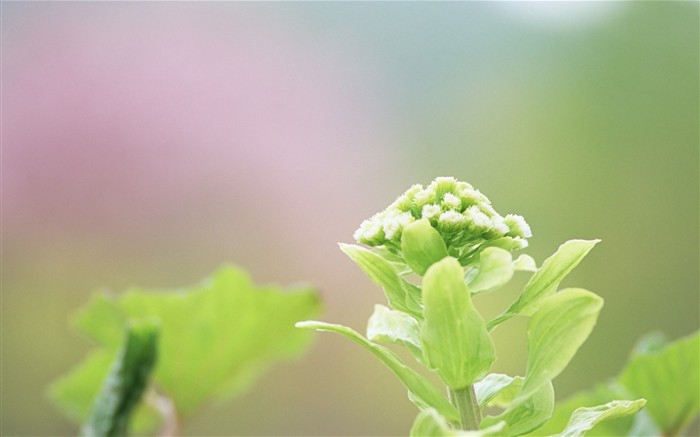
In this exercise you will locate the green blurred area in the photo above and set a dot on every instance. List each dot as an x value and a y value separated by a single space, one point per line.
582 117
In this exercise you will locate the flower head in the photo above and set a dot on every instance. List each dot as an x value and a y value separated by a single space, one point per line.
462 214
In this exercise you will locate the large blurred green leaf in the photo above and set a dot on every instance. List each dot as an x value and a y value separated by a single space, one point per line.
216 338
555 333
128 378
420 390
670 379
546 279
454 337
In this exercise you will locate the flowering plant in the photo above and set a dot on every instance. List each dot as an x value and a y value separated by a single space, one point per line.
449 235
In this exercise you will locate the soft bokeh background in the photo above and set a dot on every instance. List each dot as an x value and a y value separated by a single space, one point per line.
148 143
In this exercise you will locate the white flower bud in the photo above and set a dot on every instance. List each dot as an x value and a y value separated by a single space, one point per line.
451 201
518 226
430 211
478 221
370 232
423 197
499 226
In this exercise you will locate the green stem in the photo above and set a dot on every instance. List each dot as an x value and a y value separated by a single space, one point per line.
465 401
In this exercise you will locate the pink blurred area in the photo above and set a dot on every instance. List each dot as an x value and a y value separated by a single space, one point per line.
107 130
147 146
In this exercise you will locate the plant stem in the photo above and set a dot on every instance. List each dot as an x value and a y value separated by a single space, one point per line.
465 401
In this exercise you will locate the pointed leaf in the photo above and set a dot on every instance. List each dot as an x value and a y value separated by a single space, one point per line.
495 268
422 246
454 337
669 378
526 415
555 333
421 392
547 278
401 294
598 395
391 326
586 418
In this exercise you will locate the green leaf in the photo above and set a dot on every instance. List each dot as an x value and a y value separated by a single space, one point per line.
421 392
391 326
600 394
527 414
497 389
669 378
555 333
429 423
525 263
652 342
454 338
401 294
495 268
126 382
585 418
422 246
547 278
216 337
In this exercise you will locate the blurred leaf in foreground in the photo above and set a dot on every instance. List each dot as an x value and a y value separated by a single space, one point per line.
666 375
670 379
126 382
216 338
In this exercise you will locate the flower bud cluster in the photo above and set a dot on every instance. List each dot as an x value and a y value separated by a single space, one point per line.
461 214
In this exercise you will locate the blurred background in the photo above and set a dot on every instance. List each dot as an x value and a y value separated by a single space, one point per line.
147 144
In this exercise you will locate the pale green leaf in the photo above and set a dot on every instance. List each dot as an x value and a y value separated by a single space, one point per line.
585 418
422 246
497 389
555 333
547 278
525 263
669 378
401 294
527 414
429 423
600 394
391 326
454 338
421 391
128 378
216 338
494 269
